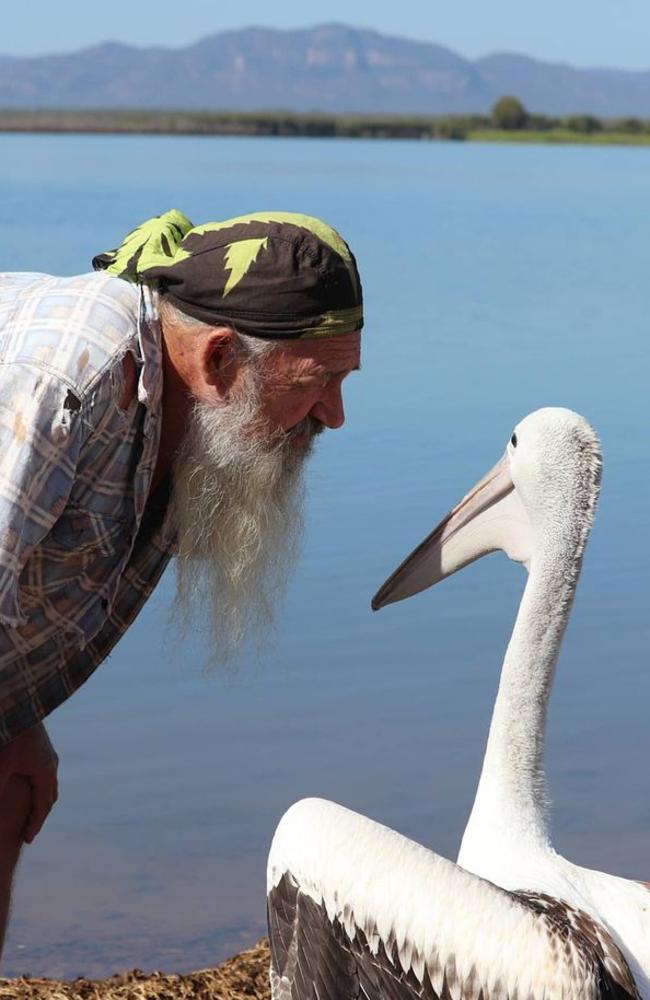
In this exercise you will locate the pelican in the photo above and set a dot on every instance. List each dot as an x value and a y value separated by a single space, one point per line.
357 910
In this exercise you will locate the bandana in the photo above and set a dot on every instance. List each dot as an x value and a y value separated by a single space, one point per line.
269 274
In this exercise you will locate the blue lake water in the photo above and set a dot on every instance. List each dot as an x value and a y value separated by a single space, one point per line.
497 279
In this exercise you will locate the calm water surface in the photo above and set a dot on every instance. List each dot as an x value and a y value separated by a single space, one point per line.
497 279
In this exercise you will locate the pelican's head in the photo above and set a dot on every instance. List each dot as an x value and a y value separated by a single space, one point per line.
541 493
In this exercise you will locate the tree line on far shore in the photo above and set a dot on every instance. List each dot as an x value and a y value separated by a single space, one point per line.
508 117
509 114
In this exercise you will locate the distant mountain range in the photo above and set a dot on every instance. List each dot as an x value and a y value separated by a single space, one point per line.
332 68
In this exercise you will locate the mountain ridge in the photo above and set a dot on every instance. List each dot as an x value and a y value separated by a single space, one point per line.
330 67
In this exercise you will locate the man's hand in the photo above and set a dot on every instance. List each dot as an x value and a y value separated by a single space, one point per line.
31 756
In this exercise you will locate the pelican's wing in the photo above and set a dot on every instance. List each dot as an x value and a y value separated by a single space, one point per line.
357 911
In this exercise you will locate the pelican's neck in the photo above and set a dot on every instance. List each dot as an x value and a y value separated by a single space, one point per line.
510 803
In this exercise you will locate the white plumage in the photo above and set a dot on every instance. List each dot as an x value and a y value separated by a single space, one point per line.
356 909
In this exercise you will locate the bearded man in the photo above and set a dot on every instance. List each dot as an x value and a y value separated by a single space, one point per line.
161 407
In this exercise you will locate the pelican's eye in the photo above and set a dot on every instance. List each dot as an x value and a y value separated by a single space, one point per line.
513 440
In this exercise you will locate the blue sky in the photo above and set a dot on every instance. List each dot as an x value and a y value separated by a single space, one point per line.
583 32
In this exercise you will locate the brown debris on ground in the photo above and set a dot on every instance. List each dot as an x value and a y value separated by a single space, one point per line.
244 977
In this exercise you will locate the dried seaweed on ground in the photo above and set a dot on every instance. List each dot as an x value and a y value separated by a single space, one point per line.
244 977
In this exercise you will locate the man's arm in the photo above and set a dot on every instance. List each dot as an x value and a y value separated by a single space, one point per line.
41 431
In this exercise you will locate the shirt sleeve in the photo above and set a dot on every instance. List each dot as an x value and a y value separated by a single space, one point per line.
41 425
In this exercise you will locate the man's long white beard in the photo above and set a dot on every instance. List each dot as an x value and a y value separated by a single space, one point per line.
237 504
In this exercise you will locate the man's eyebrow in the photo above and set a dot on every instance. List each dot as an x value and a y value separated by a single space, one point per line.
333 368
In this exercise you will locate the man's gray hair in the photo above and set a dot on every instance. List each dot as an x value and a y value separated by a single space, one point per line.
253 348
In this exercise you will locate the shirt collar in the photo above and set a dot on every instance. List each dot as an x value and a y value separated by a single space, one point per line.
150 384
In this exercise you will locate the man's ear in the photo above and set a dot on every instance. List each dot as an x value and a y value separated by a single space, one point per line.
219 362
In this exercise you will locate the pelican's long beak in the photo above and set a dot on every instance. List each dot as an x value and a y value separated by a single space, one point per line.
490 517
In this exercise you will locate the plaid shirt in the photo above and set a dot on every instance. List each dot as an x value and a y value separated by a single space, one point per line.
79 551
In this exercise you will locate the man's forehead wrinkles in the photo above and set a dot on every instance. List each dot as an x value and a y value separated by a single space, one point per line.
335 350
341 359
328 347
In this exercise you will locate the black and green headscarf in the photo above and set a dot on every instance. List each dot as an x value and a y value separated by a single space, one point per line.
269 274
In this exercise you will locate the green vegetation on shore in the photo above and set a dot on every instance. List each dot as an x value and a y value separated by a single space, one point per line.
558 136
508 122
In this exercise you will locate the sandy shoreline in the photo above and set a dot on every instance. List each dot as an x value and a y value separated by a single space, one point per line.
243 976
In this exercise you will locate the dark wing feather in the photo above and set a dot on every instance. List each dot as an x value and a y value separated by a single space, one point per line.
572 927
314 958
312 962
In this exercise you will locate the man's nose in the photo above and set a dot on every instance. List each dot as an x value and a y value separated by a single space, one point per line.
329 408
